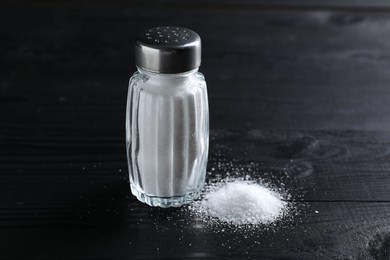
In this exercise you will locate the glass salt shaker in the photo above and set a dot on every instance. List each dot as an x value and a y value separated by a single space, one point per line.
167 120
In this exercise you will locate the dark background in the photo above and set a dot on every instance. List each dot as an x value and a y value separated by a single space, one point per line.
298 92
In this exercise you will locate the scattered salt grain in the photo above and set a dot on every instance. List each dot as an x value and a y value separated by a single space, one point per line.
243 202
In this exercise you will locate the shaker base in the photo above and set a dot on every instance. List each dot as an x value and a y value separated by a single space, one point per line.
165 202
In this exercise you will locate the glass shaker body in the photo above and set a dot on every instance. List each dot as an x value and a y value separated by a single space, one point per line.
167 136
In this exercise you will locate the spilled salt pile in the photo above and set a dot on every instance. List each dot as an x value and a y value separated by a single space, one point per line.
243 202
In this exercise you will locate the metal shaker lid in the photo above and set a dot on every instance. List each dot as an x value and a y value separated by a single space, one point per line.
168 49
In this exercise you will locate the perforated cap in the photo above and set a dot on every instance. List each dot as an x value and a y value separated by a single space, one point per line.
168 49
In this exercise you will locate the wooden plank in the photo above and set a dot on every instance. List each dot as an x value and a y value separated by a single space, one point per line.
147 233
217 5
264 69
317 166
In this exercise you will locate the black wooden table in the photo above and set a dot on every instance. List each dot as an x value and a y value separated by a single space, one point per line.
300 92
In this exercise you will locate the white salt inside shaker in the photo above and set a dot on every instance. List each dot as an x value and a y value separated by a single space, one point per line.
167 118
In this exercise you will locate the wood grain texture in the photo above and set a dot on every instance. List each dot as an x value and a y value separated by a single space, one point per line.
298 96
